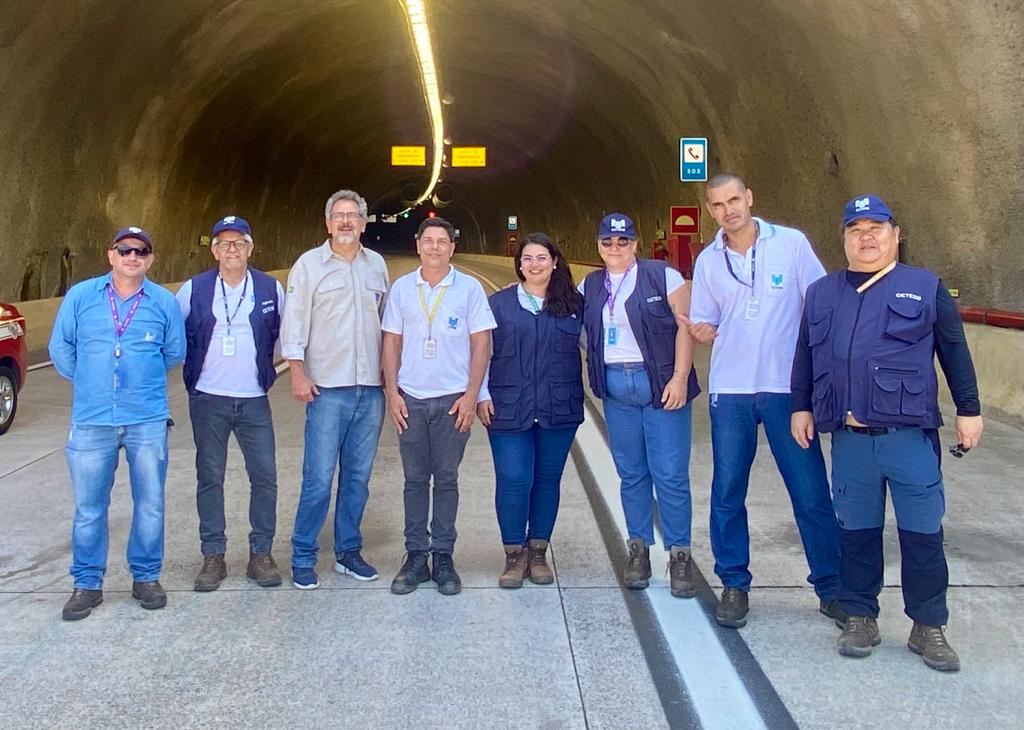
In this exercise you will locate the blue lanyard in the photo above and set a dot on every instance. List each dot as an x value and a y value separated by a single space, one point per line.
753 258
224 294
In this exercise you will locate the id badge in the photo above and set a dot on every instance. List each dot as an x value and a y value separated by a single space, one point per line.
429 349
613 335
227 346
753 309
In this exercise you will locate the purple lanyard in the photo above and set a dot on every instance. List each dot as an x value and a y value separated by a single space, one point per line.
119 327
224 294
608 288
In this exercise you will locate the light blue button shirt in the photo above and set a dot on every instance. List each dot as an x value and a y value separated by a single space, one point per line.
754 355
109 390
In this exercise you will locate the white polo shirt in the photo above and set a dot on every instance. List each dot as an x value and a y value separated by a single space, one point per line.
463 311
236 376
754 355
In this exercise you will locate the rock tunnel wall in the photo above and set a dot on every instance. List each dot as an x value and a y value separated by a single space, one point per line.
170 115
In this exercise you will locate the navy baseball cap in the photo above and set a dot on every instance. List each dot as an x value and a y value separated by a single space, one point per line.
132 232
232 223
616 225
866 206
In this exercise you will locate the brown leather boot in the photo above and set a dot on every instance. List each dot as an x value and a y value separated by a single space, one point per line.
211 574
263 570
539 572
516 557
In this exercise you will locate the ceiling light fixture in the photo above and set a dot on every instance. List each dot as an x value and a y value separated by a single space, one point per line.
416 15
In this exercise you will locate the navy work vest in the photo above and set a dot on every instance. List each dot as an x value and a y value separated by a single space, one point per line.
265 320
536 371
652 322
874 353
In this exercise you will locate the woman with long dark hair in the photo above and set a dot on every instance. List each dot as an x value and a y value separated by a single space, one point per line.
533 403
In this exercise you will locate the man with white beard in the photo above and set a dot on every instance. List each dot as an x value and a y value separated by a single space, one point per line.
331 337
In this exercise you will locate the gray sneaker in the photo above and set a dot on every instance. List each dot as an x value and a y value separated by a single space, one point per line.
860 634
732 609
930 642
637 573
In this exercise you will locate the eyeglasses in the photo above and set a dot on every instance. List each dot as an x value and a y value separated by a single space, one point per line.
237 244
541 260
124 251
345 216
617 242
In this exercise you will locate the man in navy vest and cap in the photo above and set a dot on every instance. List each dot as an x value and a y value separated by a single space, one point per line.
232 318
864 371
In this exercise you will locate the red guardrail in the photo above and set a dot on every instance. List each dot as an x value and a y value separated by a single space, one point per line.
993 317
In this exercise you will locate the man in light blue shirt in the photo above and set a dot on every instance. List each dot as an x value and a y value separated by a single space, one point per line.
115 338
748 292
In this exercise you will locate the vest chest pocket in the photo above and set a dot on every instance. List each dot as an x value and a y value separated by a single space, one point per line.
897 393
906 321
567 334
504 339
818 327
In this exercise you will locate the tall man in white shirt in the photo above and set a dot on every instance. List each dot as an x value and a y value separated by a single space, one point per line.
232 319
437 346
748 293
331 338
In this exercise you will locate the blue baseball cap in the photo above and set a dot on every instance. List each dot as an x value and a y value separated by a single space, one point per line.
132 232
867 206
232 223
616 225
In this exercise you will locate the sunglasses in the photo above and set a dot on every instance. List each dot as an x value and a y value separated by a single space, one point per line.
617 242
127 250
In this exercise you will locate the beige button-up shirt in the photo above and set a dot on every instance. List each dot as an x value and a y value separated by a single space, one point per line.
332 315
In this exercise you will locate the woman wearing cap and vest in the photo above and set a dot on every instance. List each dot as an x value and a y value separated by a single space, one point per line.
532 403
641 364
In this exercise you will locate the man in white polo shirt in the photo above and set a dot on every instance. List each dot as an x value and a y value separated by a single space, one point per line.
437 342
748 293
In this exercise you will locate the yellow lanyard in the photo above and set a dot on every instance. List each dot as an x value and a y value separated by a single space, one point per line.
433 312
874 279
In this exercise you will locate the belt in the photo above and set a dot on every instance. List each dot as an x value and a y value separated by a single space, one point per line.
869 430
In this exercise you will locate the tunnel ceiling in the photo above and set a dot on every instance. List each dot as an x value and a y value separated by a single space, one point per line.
172 114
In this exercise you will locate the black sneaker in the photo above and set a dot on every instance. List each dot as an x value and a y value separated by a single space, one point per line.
448 581
833 610
732 609
81 604
413 572
150 593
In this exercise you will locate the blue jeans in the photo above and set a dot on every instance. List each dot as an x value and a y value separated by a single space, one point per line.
734 421
650 447
93 453
342 430
214 419
528 469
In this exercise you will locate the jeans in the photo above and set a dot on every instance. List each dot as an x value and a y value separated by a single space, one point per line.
650 447
214 418
431 446
528 469
342 430
93 453
734 421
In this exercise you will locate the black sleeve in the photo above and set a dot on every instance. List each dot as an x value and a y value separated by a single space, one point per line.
954 356
801 380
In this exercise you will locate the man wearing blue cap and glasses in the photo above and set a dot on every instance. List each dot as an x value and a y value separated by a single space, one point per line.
864 371
115 338
232 319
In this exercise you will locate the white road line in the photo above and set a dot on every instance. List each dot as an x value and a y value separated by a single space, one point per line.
717 692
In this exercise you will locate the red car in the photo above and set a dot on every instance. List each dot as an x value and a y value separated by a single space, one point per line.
13 362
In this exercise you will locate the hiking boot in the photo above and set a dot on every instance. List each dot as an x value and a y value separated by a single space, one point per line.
732 608
860 634
413 572
680 572
263 570
637 573
930 642
211 574
305 579
833 610
81 604
516 563
448 581
352 563
539 571
150 593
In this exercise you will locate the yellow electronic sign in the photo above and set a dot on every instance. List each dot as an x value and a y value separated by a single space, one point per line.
469 157
408 156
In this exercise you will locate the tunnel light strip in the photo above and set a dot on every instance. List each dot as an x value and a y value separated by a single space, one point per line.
416 15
